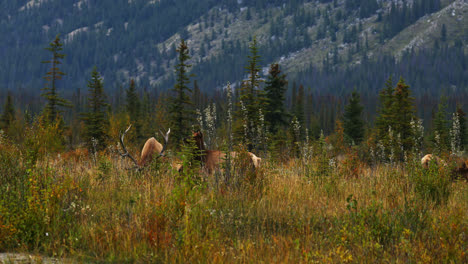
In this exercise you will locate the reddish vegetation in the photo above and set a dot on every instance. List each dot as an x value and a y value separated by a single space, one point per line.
75 155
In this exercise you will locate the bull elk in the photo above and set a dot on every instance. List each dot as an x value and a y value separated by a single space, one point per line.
211 159
151 147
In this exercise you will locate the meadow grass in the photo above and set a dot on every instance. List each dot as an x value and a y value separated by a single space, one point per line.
83 211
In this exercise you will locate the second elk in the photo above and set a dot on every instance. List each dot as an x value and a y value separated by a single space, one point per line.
212 159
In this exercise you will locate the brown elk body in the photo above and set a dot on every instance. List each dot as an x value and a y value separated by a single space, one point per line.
460 169
211 159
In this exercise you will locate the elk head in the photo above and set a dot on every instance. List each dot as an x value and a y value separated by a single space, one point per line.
197 138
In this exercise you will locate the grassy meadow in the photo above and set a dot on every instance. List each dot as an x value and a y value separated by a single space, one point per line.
84 208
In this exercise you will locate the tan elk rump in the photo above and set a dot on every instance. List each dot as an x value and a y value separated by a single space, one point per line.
152 149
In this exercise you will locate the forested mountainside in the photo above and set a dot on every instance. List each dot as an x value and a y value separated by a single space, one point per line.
331 46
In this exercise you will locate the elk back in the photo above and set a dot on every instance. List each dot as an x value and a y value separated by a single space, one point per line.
152 147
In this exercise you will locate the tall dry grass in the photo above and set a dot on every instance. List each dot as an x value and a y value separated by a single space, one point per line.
298 212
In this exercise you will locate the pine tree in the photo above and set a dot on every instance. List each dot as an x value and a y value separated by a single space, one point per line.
394 127
404 112
293 98
96 120
353 123
54 101
295 136
299 107
181 107
440 135
386 117
8 115
133 108
275 111
251 101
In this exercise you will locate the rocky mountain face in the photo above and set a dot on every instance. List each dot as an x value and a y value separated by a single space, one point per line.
329 45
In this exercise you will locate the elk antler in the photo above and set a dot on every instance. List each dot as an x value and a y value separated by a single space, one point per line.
126 153
166 141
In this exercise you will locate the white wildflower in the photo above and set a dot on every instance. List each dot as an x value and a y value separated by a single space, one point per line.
455 135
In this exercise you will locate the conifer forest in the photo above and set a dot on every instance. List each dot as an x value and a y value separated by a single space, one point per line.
234 131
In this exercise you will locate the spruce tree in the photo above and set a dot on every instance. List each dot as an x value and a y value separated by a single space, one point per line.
54 101
275 89
181 108
404 113
393 128
96 120
386 117
440 135
8 114
353 123
293 98
133 108
251 101
299 107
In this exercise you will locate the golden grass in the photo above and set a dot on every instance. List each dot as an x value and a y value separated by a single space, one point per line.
119 215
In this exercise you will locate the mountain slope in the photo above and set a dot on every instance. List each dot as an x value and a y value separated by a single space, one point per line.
137 39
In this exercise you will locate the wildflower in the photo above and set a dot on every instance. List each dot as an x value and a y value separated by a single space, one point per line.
438 145
455 135
391 157
210 121
199 119
418 135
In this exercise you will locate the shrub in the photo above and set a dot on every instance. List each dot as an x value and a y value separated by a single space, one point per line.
385 226
351 166
432 183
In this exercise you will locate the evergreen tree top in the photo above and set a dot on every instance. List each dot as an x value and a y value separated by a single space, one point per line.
51 111
55 46
253 67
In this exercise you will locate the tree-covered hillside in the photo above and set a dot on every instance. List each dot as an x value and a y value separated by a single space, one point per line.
326 45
